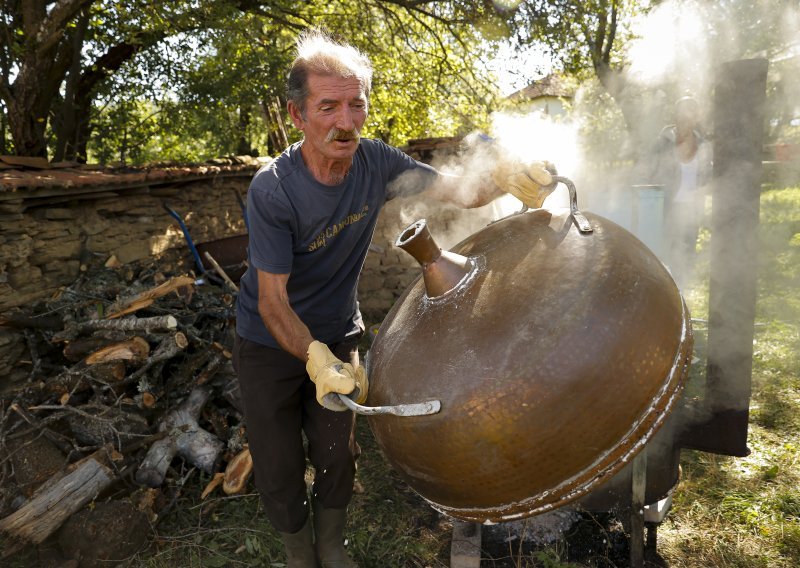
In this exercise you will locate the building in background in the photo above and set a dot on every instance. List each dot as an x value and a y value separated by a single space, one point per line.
546 95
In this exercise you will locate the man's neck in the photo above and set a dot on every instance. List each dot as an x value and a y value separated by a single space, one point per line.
326 171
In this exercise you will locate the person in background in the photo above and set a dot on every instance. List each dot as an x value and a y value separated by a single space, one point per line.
312 213
683 166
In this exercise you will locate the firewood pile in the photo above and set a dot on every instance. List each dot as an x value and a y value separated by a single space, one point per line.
130 392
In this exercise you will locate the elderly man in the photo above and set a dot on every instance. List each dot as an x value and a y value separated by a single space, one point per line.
312 213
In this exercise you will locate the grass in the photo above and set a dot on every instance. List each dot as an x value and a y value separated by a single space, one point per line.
727 512
388 525
743 512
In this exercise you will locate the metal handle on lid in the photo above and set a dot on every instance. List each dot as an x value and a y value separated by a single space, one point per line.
580 220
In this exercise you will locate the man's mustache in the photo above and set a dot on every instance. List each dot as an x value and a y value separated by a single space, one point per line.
337 134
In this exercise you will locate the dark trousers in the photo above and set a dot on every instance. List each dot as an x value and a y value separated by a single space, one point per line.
279 404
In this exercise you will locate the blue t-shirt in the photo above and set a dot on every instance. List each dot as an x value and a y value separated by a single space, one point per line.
320 235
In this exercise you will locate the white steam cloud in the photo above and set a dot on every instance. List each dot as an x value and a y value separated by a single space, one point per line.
672 42
678 47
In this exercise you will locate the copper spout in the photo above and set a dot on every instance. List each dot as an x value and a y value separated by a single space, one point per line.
441 270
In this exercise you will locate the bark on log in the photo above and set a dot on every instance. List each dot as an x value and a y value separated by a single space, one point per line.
78 378
18 320
74 329
220 356
76 350
98 425
55 503
186 439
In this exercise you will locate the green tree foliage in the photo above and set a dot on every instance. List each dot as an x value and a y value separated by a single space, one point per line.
123 79
428 78
55 55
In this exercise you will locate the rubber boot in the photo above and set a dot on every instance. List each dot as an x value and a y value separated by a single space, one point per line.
329 538
300 547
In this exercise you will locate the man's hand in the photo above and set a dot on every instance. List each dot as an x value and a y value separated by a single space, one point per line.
331 374
530 183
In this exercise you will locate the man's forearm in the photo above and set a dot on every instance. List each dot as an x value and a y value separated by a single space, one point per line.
288 330
280 318
467 191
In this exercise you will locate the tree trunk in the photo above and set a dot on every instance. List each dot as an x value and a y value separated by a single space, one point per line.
615 81
27 120
41 72
277 137
66 126
3 124
102 68
243 147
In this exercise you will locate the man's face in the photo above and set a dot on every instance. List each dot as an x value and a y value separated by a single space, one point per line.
335 112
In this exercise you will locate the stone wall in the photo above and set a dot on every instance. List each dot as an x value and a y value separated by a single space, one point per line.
43 247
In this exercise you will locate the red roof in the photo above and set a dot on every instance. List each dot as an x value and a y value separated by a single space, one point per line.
549 86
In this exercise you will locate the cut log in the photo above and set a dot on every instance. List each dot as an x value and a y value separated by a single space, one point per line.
134 349
238 472
108 373
215 482
166 350
55 503
185 439
146 298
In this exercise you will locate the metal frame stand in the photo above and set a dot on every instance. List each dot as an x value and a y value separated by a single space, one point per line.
465 548
638 484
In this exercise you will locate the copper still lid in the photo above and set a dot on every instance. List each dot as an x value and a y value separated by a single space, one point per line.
556 351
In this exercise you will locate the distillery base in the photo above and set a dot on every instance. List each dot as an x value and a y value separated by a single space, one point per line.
465 548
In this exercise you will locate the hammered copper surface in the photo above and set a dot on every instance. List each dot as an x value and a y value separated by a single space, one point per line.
556 360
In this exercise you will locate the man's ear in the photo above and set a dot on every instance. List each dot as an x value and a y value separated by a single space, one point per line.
296 115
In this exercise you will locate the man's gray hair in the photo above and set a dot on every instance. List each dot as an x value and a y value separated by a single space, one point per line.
318 52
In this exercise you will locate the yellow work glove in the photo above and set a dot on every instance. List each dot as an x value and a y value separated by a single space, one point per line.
331 374
362 385
530 183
